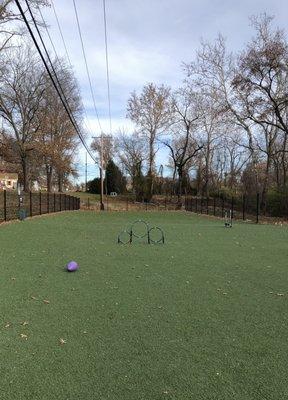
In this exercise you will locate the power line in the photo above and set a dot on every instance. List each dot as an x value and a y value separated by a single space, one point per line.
107 64
60 30
68 111
67 55
86 64
53 69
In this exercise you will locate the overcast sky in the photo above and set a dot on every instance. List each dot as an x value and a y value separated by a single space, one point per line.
147 41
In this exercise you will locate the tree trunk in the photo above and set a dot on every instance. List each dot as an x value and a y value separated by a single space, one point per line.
283 159
25 174
49 171
60 182
180 182
265 185
150 177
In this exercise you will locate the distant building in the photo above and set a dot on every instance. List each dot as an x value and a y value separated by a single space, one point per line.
8 180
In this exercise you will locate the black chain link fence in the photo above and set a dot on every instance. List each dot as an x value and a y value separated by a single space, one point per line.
247 208
13 206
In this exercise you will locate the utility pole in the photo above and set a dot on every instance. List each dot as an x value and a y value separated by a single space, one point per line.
101 169
101 173
86 173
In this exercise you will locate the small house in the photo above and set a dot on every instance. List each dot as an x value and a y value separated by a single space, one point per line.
8 180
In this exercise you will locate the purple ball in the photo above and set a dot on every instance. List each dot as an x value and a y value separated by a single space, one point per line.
72 266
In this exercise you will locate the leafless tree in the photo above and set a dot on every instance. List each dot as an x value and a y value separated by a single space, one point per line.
151 112
56 138
131 151
10 16
21 94
183 144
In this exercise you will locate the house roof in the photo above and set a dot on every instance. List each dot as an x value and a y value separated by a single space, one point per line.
8 175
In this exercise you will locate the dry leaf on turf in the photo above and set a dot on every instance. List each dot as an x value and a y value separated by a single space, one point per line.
46 301
24 323
62 341
23 336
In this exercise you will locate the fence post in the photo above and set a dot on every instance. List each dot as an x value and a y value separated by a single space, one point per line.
5 205
222 207
201 205
60 202
257 215
40 203
54 195
232 207
207 205
196 208
30 201
48 205
243 206
214 206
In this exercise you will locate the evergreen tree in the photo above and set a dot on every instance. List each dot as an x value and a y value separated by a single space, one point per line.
115 181
94 186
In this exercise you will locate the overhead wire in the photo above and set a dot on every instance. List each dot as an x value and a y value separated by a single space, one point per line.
67 55
48 57
60 30
86 64
64 102
107 65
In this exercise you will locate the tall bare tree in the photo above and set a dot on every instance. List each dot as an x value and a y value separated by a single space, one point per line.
56 138
151 112
184 143
131 150
22 88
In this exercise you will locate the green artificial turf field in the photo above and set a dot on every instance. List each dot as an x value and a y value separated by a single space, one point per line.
203 316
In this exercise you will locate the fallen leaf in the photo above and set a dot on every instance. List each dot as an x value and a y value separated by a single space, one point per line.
13 279
62 341
280 294
7 325
24 323
224 293
23 336
33 298
46 301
